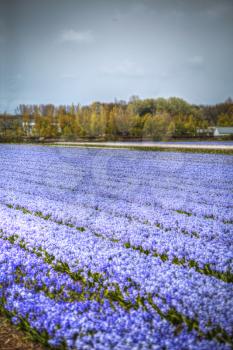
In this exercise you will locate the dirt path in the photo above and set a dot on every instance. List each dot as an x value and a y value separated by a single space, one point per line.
13 339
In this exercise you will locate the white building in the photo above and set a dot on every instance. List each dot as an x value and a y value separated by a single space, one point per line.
223 131
205 132
28 126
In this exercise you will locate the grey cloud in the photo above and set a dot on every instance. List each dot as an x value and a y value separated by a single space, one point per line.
127 68
75 36
196 61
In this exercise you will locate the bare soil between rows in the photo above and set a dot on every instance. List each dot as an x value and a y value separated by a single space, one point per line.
13 339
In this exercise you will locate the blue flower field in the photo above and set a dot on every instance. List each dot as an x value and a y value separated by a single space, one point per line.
117 249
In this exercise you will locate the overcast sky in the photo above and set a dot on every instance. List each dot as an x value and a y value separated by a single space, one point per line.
64 51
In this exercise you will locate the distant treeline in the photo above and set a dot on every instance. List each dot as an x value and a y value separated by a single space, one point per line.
157 119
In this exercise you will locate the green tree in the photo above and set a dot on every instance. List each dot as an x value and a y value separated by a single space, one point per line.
225 120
